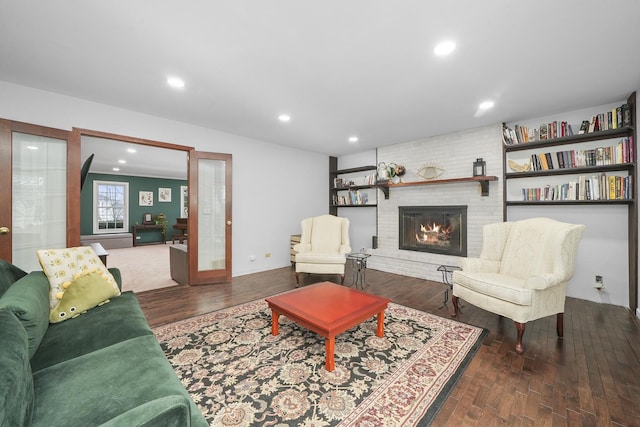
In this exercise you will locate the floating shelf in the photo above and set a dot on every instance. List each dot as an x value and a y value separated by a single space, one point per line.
482 180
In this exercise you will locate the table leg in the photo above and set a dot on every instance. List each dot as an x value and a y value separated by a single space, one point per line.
330 344
380 330
274 322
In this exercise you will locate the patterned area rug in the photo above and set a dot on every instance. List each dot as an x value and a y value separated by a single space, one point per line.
241 375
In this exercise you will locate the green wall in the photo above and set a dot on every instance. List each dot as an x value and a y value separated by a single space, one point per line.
136 184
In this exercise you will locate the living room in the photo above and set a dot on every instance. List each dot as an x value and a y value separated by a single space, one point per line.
275 185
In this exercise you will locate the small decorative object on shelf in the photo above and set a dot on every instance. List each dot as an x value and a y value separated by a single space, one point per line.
430 172
479 167
399 172
383 172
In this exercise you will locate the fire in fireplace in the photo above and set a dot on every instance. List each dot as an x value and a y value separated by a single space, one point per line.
435 229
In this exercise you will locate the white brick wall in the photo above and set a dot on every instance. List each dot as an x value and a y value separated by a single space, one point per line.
455 153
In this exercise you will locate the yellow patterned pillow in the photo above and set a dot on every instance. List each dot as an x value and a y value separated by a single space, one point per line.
61 265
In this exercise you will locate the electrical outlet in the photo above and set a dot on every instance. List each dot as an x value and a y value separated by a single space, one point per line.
599 282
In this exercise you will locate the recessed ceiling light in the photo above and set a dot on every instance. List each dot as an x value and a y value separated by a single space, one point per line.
131 150
486 105
175 82
353 139
284 118
122 162
116 169
444 48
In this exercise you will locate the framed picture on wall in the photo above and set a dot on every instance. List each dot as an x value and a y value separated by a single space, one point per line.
164 194
145 198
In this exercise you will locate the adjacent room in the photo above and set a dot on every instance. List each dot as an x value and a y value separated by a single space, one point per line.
319 214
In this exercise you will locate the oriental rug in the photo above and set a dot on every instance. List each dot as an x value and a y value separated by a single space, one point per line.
240 375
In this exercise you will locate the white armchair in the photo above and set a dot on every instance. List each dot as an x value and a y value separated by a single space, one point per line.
324 242
522 271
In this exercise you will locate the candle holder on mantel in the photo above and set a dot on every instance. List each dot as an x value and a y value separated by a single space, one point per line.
479 167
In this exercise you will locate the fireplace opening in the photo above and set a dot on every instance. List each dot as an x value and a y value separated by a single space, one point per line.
434 229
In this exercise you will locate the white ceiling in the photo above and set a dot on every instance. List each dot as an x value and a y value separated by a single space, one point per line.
145 161
339 68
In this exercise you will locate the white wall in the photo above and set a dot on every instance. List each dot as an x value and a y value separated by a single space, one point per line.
274 187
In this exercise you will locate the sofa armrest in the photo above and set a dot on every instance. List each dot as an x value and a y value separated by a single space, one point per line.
543 281
479 265
115 272
302 247
344 249
167 411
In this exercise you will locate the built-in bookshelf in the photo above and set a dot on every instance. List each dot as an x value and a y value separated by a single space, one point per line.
348 187
591 161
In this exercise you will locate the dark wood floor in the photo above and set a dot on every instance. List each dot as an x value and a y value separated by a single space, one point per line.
589 378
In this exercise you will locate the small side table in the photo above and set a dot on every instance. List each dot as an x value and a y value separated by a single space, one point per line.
359 264
447 279
101 252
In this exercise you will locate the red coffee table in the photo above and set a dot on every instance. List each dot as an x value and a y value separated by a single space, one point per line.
327 309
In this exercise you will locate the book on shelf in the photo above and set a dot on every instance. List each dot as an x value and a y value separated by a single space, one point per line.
619 153
351 198
614 119
584 188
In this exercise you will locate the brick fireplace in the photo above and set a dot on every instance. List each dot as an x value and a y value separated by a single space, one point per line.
455 154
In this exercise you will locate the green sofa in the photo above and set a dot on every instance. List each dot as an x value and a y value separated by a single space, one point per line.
102 368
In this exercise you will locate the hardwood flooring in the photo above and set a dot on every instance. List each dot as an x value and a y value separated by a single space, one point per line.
589 378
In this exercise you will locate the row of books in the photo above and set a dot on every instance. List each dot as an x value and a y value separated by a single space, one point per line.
616 118
366 180
621 152
351 198
596 187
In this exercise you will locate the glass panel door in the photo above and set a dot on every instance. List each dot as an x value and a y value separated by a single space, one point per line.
39 197
210 218
33 214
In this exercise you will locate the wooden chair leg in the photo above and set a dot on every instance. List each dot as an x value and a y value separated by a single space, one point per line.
297 279
456 309
560 324
520 329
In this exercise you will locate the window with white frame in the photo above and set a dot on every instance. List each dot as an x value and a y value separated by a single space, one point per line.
110 207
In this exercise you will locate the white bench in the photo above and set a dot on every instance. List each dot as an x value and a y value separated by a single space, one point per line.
109 241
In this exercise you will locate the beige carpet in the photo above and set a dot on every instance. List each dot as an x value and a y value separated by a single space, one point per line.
143 267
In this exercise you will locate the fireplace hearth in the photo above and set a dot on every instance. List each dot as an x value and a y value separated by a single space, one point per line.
434 229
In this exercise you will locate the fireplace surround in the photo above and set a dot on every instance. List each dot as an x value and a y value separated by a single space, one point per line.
434 229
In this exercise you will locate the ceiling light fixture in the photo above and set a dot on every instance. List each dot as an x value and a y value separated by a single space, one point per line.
444 48
131 150
122 162
32 147
486 105
116 169
175 82
284 118
353 139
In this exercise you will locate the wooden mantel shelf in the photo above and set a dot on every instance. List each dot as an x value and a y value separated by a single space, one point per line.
483 180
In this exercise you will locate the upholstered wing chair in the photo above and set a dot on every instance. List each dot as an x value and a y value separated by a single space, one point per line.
522 271
324 242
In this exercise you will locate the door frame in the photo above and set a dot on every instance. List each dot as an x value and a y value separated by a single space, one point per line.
7 128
